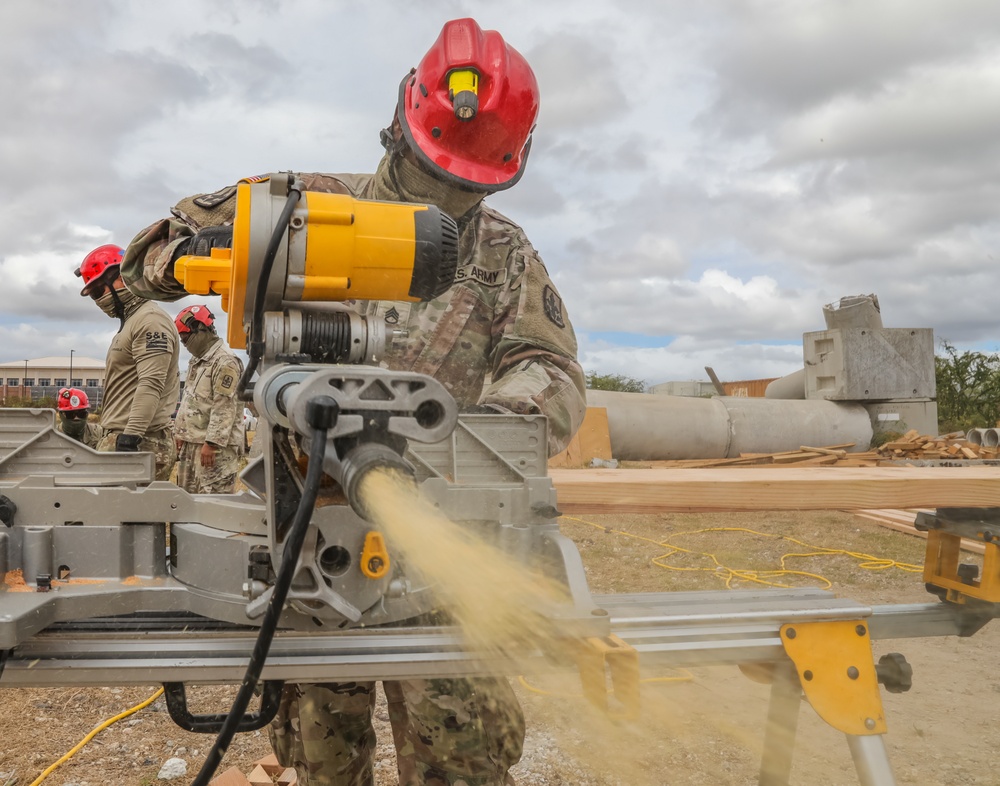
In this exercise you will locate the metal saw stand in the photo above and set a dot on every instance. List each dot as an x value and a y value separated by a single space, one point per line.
749 628
804 641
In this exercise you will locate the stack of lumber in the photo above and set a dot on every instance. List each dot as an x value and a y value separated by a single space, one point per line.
914 445
902 521
805 456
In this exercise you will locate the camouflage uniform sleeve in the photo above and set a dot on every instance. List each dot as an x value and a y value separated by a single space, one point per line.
226 411
148 265
154 354
534 366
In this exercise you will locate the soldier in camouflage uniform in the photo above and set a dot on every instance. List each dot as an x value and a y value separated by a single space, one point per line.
141 383
499 340
209 424
74 409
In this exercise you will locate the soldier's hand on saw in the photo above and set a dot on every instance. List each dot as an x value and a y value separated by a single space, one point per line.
208 455
202 243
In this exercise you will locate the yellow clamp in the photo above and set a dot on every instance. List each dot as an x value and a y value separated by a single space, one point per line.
374 556
943 568
837 671
599 657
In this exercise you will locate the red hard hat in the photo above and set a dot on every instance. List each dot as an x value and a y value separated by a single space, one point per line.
97 263
71 399
193 314
468 110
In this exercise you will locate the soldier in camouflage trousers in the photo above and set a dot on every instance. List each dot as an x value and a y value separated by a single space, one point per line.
499 340
209 424
141 382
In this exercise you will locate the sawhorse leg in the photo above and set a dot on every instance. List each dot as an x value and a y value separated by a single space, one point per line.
782 719
871 760
831 662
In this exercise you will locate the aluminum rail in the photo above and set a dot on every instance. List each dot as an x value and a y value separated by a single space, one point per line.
667 629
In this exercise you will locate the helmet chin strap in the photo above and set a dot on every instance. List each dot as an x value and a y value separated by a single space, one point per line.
119 308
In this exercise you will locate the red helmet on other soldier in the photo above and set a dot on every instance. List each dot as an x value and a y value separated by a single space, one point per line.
193 314
468 110
72 399
97 264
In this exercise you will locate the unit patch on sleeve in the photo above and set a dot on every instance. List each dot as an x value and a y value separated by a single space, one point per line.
227 382
552 304
491 278
156 341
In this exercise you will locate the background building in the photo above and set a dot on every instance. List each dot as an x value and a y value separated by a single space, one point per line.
42 377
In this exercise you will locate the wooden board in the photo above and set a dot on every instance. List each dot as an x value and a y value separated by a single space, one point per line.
774 488
591 441
902 521
231 777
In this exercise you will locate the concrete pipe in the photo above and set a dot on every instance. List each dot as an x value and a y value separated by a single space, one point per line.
647 427
991 437
975 436
791 386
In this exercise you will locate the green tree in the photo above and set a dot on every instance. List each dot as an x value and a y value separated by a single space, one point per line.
968 389
618 382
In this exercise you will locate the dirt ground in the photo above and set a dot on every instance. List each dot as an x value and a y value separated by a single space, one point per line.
702 726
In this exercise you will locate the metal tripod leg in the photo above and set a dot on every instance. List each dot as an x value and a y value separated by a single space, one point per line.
871 760
782 719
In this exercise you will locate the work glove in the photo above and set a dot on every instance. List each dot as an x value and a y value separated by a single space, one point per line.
202 243
128 443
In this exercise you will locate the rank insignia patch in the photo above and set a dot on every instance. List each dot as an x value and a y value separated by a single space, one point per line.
208 201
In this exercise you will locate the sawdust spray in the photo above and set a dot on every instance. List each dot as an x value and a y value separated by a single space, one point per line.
500 605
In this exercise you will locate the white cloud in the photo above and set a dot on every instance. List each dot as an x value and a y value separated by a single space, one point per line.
703 174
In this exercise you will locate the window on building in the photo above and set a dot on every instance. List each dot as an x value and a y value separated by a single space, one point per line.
60 381
13 382
76 382
44 381
93 383
29 382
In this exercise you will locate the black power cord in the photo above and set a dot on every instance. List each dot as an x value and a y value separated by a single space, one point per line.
256 345
321 415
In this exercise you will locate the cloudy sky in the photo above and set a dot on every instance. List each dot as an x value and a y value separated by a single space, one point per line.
704 176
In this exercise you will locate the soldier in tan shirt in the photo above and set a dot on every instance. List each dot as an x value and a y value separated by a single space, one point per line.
141 383
209 424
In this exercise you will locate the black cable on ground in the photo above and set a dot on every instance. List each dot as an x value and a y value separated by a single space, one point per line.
321 414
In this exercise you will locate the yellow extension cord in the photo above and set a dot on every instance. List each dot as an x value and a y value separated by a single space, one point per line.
729 575
79 746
